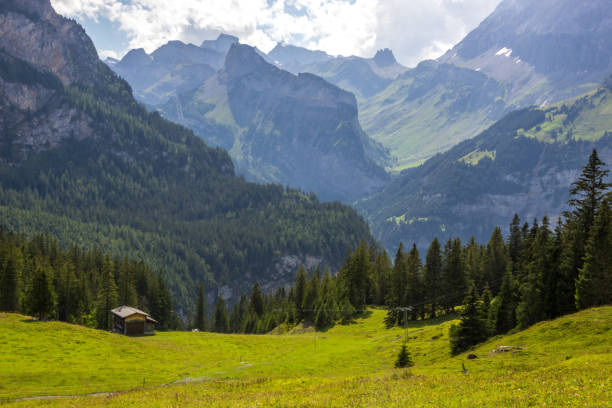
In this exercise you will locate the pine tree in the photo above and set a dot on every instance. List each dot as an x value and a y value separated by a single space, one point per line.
221 322
311 298
403 358
472 329
238 315
107 299
10 271
454 274
355 277
505 314
200 316
588 192
433 272
380 278
496 260
594 283
398 290
515 242
257 301
300 291
532 308
474 269
41 297
415 295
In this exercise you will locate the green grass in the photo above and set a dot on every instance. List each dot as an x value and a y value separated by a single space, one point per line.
594 120
565 362
476 156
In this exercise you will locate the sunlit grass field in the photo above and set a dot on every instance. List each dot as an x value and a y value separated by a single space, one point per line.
565 362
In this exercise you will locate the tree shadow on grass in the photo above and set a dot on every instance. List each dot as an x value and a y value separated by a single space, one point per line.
412 324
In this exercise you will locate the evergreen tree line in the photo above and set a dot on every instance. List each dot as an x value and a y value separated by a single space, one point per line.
40 278
317 298
548 273
535 273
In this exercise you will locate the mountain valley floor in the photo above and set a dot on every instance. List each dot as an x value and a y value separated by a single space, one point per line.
565 362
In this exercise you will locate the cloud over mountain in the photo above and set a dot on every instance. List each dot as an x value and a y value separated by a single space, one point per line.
415 29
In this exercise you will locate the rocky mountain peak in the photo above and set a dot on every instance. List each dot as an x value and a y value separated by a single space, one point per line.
243 59
136 57
222 44
384 58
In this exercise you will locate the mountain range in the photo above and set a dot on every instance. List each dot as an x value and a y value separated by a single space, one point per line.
524 164
501 123
82 160
278 127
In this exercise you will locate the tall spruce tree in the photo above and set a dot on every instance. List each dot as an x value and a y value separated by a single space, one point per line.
594 283
257 301
221 322
454 274
472 329
300 291
415 295
107 298
200 315
433 273
588 193
507 300
496 260
41 297
397 292
11 265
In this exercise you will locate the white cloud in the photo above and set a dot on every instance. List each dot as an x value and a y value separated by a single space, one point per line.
424 29
104 54
414 29
333 25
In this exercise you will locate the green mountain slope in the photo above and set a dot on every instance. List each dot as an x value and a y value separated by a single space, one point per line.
80 159
278 127
524 163
527 53
563 363
429 109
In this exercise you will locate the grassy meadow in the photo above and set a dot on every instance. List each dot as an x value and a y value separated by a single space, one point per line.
565 362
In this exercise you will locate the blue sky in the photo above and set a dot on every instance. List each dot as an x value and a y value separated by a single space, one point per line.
413 29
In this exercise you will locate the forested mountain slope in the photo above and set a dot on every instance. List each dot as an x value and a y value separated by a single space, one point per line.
82 160
524 163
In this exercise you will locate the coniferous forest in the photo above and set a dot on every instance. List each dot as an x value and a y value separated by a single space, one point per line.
539 271
40 278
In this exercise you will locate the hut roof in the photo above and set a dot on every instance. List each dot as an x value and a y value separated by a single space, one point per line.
125 311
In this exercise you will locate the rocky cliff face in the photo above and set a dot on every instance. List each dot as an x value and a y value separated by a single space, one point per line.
40 53
294 130
32 31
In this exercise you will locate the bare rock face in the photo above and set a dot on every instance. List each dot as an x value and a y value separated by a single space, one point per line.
557 47
296 130
33 31
40 53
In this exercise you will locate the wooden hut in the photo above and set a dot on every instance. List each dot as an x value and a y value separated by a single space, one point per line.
131 321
